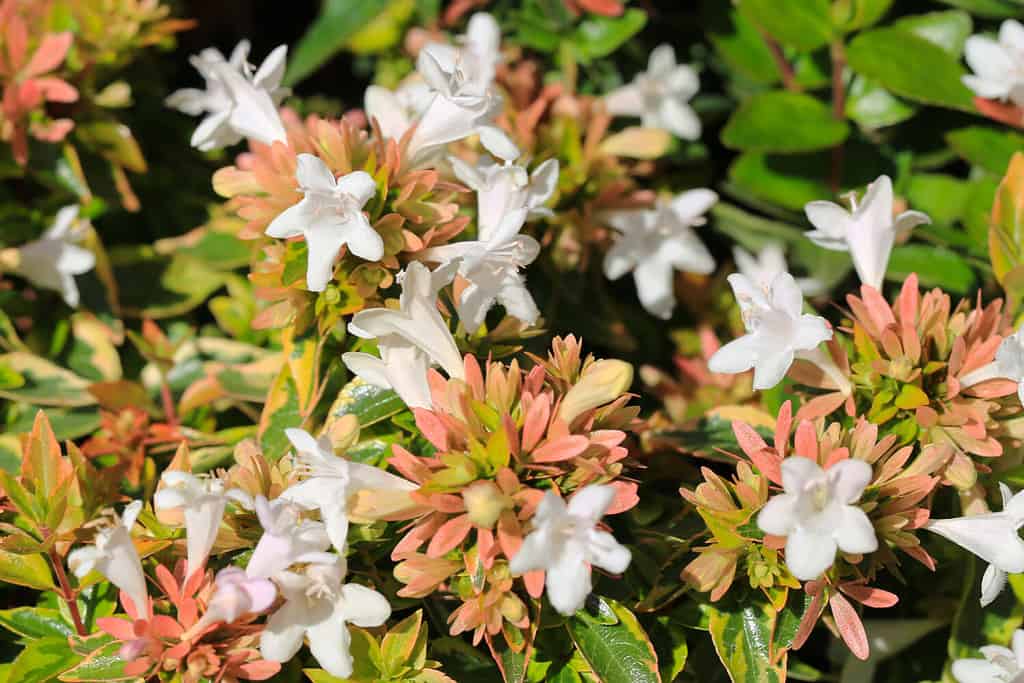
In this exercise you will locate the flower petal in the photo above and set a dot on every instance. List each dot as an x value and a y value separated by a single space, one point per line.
808 554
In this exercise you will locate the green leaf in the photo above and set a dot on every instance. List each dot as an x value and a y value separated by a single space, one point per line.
783 122
788 181
35 622
993 9
989 148
872 106
113 141
32 571
931 77
942 197
339 20
1006 231
935 266
42 660
599 36
852 15
280 412
45 384
102 664
369 403
949 30
742 635
154 286
738 42
617 653
803 24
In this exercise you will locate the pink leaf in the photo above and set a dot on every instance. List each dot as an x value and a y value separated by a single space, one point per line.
868 596
451 534
850 626
48 56
565 448
749 440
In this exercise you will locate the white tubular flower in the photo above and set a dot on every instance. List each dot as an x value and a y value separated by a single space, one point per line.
415 333
660 96
286 537
565 542
114 556
53 261
1001 664
655 243
239 102
1009 364
235 595
507 196
330 481
319 606
777 331
817 514
868 231
762 268
203 500
998 65
993 537
330 216
396 111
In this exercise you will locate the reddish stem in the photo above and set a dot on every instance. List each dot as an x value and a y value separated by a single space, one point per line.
170 414
838 111
785 68
66 592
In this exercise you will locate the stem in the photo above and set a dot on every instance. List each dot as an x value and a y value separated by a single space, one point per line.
838 110
785 68
66 592
170 414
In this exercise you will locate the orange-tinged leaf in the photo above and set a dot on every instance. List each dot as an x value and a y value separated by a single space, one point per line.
851 628
1006 231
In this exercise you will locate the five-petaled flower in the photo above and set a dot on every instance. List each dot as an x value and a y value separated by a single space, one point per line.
330 480
286 538
319 606
762 268
565 542
868 230
238 102
330 216
409 339
654 243
113 555
777 330
660 96
993 537
1001 664
817 514
998 65
53 261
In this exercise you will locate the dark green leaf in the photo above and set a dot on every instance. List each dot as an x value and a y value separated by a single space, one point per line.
738 42
367 402
599 36
35 622
617 653
783 122
742 634
339 20
935 266
989 148
42 661
803 24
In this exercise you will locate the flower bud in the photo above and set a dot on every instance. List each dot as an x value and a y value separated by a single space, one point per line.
602 382
484 503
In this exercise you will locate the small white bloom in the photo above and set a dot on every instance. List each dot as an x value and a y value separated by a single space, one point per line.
239 102
330 216
319 606
1001 664
993 537
769 262
397 110
565 542
868 231
203 500
409 339
998 65
507 196
817 514
777 330
1010 360
114 556
660 96
286 538
330 481
235 595
53 261
655 243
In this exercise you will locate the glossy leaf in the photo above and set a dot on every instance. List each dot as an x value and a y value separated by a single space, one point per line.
339 20
783 122
619 652
35 622
42 661
31 571
802 24
1006 234
742 635
987 147
369 403
46 384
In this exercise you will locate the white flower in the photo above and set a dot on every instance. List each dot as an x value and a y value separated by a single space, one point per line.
330 481
1001 664
565 542
286 538
656 242
53 261
817 514
1010 360
506 197
769 262
330 216
235 595
397 110
320 607
463 101
203 500
660 96
114 556
998 65
777 330
868 231
238 101
992 537
409 339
